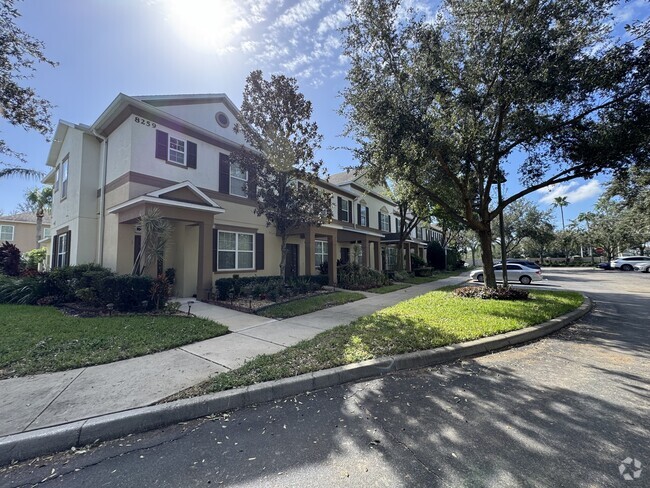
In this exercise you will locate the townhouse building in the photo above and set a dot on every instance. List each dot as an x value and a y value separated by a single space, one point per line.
172 153
20 229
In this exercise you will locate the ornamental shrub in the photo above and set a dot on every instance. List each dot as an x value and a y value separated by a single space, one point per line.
353 276
499 293
9 259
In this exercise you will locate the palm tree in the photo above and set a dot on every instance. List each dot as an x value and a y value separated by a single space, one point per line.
40 201
8 170
561 202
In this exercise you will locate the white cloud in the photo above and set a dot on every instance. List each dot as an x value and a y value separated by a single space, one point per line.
332 21
299 13
573 191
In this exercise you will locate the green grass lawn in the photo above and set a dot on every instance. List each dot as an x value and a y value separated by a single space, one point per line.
389 288
438 275
432 320
310 304
43 339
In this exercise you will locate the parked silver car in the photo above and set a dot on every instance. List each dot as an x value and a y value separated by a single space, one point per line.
643 266
516 272
627 263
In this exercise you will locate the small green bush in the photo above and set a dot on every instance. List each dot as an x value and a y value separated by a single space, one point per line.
267 286
126 292
353 276
417 262
435 255
499 293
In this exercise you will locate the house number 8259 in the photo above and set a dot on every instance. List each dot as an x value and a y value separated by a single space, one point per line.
140 120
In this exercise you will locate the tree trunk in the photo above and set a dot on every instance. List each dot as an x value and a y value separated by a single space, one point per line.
39 226
283 257
485 236
400 257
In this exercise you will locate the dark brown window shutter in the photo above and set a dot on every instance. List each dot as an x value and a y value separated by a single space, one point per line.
389 229
191 155
215 237
67 247
161 144
379 220
359 213
350 207
339 204
224 173
367 217
252 185
55 251
259 251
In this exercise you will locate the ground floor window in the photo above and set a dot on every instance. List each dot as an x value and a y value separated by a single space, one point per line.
234 250
321 253
391 258
62 250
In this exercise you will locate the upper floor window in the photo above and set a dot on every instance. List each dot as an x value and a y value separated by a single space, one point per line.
345 211
56 179
363 216
176 150
384 222
238 180
6 233
46 232
64 179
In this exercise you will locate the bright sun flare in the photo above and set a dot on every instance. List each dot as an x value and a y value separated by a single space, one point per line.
210 25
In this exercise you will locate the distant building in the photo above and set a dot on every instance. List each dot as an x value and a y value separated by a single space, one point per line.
20 229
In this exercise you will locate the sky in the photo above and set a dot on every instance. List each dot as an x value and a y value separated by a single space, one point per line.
164 47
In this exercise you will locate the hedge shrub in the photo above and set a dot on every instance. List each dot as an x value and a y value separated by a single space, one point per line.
270 287
499 293
353 276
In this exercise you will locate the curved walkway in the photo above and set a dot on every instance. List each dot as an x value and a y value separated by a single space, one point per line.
33 402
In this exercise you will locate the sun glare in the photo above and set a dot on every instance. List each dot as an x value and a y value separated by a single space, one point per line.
210 25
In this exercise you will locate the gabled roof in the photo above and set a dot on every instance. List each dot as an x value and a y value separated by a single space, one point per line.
25 217
188 99
168 192
59 136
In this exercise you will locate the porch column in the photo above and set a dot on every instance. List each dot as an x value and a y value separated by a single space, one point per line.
331 259
365 251
407 257
204 274
378 255
310 249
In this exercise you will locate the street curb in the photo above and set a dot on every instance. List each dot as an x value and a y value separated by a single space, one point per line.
27 445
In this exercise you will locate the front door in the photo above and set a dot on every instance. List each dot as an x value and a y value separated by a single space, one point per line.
345 255
291 266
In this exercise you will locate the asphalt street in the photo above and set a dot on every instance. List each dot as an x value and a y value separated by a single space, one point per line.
567 410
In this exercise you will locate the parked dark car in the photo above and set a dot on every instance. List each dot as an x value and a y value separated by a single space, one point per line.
604 265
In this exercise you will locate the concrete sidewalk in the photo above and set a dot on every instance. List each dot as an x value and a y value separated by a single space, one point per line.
34 402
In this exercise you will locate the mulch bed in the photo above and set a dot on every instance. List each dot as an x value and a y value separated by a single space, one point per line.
250 305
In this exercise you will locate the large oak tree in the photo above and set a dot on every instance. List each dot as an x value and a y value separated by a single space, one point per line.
537 89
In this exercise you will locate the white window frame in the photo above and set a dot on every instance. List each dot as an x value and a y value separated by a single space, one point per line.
47 232
384 222
56 179
364 216
244 194
176 151
391 258
62 249
345 207
65 168
237 251
320 253
3 231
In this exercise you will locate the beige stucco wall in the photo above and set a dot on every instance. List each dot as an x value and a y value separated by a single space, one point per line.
203 115
24 235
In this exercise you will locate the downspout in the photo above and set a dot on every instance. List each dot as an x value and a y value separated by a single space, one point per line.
102 196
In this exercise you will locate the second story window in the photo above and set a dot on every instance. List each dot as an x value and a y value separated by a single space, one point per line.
384 222
238 180
363 216
6 233
64 179
345 211
176 150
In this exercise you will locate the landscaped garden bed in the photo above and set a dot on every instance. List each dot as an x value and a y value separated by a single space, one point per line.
302 306
432 320
44 339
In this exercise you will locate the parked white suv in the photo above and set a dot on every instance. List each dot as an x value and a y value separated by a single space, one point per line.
627 263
